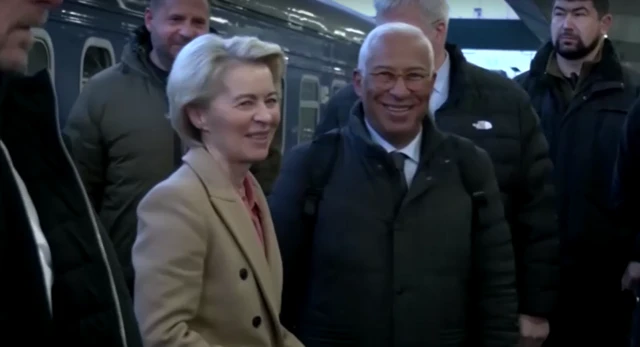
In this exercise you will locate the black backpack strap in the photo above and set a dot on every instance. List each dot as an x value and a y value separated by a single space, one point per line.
323 153
321 157
473 184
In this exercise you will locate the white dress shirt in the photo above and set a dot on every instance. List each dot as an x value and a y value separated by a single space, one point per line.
41 242
412 151
441 86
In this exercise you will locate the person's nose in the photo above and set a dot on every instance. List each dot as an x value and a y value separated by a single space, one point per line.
400 89
264 114
568 22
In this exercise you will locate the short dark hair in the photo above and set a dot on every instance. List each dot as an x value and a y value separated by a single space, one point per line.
601 6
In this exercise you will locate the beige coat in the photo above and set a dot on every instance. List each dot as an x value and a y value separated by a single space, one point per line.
202 277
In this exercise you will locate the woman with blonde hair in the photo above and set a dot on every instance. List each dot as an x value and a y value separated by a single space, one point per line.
206 258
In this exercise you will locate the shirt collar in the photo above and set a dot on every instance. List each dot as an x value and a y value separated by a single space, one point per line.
412 150
246 193
554 69
442 76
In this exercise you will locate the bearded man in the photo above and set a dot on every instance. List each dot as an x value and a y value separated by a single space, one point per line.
582 94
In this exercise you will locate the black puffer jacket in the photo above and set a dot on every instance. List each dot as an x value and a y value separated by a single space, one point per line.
584 137
584 133
91 305
519 152
626 182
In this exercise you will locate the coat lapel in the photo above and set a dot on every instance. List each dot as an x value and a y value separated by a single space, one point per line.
429 166
270 240
233 213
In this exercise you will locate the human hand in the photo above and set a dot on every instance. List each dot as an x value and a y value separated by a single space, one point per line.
533 331
631 277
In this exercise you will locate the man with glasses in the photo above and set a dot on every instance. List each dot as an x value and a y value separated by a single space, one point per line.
407 244
495 113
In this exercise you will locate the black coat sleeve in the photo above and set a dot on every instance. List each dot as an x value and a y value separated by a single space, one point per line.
337 110
533 220
285 203
626 184
495 300
267 170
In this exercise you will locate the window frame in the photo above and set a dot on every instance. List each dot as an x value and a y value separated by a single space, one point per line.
337 82
314 104
283 114
97 42
41 35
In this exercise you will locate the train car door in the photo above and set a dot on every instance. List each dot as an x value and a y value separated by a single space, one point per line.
42 55
309 114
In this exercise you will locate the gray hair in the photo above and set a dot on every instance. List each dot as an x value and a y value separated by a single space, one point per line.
197 71
373 38
432 9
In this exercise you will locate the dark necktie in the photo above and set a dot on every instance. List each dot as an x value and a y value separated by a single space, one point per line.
398 162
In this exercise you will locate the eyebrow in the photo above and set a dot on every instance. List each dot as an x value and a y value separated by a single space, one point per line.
570 10
409 69
253 96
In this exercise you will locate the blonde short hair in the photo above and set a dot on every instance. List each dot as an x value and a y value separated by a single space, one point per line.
198 71
432 9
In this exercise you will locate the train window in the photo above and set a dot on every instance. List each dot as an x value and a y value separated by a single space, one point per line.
97 55
41 55
336 85
309 88
309 114
278 138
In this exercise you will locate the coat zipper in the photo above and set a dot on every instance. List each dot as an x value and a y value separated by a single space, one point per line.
94 223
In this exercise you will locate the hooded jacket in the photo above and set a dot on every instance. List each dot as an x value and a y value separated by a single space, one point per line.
122 142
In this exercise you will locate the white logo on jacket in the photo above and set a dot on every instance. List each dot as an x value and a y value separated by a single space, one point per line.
482 125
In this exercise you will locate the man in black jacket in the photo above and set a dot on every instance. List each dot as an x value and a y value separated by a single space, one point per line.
496 114
410 246
61 283
626 190
582 94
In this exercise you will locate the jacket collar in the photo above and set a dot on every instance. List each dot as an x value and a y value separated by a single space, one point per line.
135 55
213 174
607 69
31 94
459 78
29 112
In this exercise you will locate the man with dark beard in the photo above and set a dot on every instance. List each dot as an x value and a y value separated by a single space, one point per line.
582 94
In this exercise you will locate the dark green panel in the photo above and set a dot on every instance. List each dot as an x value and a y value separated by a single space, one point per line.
628 51
501 34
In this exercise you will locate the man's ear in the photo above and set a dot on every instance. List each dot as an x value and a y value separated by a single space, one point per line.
357 82
148 17
605 23
440 28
